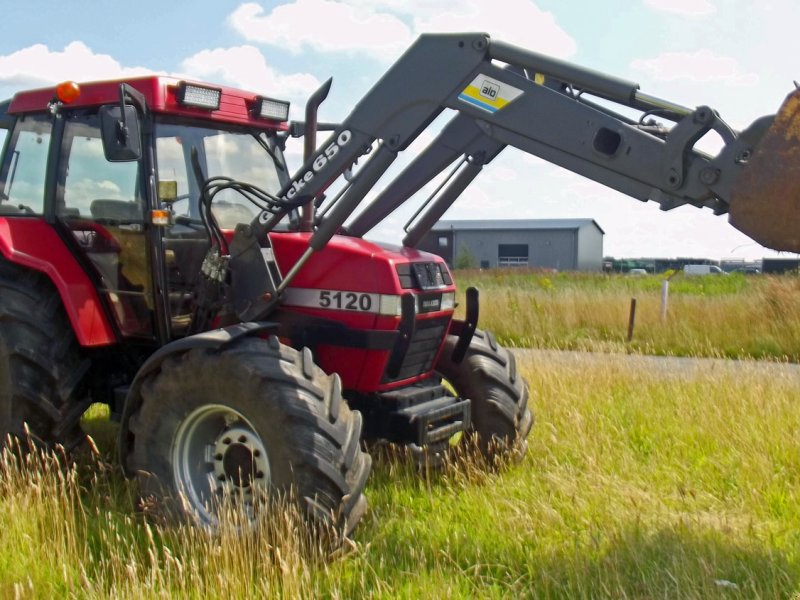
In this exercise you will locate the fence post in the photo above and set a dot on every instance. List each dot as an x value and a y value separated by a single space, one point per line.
632 319
664 298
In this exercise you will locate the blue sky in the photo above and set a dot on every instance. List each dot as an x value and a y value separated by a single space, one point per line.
738 56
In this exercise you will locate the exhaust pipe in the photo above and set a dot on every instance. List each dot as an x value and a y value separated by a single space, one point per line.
310 145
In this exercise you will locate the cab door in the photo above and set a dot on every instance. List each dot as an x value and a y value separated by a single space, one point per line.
102 207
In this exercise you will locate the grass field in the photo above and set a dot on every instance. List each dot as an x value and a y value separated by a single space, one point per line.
728 316
637 484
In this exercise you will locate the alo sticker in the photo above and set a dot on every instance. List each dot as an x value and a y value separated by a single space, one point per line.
489 94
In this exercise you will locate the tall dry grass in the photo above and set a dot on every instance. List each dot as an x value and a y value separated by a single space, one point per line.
734 316
68 530
638 483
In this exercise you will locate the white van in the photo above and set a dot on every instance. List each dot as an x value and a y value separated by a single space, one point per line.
702 270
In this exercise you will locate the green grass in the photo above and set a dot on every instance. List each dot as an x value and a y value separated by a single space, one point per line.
636 485
732 316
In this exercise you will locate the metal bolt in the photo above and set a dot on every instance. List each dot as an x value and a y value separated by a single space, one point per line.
703 115
709 175
674 178
479 44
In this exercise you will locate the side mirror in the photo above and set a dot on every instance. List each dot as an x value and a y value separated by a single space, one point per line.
121 133
6 120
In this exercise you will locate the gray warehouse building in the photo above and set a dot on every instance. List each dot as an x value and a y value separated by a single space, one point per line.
563 244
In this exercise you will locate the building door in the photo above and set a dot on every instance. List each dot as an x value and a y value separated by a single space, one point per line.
512 255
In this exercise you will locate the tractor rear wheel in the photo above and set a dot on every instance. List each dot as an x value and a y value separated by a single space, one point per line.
501 419
43 390
253 420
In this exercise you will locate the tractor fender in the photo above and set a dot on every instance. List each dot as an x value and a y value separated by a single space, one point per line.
34 244
212 340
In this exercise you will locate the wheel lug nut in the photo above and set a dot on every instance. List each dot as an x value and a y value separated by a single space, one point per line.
226 441
242 439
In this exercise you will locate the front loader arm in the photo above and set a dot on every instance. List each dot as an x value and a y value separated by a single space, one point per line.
508 96
554 122
462 137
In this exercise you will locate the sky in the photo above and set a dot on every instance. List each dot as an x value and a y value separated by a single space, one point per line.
738 56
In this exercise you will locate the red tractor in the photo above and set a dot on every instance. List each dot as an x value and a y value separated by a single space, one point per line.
159 256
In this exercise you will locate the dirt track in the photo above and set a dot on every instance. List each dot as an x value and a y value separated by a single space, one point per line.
672 366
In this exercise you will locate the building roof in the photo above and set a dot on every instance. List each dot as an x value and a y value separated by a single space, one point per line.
513 224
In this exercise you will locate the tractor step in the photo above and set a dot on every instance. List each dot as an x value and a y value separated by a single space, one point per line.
435 420
422 414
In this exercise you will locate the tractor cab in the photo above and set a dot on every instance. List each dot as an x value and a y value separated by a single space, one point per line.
124 204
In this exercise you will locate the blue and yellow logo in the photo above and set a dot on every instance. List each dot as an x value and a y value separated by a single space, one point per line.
489 94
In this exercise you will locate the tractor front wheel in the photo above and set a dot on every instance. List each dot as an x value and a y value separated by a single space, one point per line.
501 419
253 420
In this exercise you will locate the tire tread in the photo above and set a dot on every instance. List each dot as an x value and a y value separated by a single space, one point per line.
47 373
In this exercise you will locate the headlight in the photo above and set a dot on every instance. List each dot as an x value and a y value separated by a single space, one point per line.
390 305
448 301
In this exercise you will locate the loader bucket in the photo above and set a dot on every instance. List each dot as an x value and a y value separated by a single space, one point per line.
765 200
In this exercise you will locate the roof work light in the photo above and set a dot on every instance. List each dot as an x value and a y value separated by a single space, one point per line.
268 108
199 96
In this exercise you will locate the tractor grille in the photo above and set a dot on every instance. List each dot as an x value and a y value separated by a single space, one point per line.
425 343
423 275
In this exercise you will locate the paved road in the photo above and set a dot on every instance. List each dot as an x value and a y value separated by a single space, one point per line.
672 366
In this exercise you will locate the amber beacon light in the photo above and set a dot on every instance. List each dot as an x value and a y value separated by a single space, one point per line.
68 91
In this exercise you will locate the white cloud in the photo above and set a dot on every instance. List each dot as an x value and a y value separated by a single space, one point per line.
497 173
37 65
531 160
700 66
323 25
635 228
518 22
246 67
689 8
381 29
243 66
418 8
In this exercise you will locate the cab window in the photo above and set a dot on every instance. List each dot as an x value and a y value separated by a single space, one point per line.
22 174
101 204
235 154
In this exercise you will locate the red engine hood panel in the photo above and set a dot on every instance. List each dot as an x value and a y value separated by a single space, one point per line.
352 281
346 263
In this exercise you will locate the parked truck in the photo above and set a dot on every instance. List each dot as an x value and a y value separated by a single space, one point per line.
692 270
160 256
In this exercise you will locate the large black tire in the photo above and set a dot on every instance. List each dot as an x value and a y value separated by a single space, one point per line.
501 419
42 372
250 399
